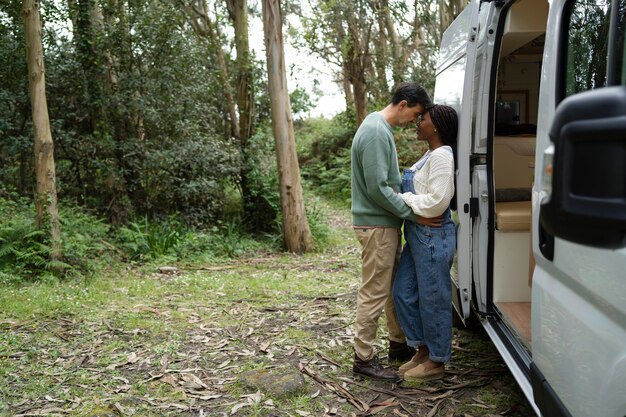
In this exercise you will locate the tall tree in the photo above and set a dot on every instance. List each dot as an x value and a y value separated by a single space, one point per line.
369 41
340 32
201 22
238 12
46 195
357 54
258 212
296 232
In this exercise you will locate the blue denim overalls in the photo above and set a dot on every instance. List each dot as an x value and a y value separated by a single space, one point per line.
422 289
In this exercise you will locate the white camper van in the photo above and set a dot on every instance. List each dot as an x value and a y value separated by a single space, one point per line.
540 87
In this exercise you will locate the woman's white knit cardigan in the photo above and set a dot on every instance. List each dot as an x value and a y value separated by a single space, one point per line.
433 182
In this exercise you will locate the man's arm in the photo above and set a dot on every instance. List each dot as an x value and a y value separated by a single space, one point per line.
376 164
376 171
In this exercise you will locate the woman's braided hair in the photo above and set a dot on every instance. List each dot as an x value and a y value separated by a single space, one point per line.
446 122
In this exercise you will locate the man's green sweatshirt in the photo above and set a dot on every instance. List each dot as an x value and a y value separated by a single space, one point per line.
376 176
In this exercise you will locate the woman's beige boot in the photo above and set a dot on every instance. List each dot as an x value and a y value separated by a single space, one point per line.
420 373
415 360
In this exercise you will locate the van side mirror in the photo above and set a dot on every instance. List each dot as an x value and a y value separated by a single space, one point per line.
587 204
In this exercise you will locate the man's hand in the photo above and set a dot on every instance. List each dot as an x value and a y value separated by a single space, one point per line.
430 221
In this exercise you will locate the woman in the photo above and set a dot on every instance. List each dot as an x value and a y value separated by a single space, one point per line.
421 291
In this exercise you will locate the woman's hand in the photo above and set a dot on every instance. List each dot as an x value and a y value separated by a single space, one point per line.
430 221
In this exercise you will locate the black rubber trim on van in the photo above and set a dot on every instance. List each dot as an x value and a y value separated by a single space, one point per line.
613 75
546 399
513 346
561 60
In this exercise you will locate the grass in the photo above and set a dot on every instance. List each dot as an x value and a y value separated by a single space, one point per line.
131 340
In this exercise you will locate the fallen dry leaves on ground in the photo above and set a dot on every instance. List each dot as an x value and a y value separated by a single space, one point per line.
182 356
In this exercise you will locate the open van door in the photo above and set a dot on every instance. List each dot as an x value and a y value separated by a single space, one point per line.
455 75
579 283
462 84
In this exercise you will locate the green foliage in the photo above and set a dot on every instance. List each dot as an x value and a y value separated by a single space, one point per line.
324 153
228 240
408 147
318 223
332 176
22 249
136 108
151 239
186 177
84 237
586 56
144 240
263 189
25 250
301 102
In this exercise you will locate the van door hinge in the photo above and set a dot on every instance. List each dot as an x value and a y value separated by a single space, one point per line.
473 207
472 34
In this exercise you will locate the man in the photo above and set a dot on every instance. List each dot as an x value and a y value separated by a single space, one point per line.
377 215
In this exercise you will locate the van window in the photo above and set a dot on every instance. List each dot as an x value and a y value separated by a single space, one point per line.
587 39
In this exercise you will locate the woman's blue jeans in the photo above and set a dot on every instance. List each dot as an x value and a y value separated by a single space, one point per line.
422 289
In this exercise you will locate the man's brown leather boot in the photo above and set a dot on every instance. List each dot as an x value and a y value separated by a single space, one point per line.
373 369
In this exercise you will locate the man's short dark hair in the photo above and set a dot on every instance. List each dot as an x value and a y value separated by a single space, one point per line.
412 93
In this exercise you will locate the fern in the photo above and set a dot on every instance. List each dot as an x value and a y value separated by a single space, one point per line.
143 238
22 247
25 250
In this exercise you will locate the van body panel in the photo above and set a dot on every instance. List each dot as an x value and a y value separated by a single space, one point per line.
579 351
454 40
570 297
579 296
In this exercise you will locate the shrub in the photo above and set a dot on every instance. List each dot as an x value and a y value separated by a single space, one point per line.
25 250
142 238
318 223
324 147
261 205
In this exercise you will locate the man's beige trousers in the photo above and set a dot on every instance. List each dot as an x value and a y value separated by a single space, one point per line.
380 253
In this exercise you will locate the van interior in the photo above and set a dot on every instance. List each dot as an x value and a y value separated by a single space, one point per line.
516 103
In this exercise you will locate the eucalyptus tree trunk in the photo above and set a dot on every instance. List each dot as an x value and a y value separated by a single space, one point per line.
398 64
259 214
238 10
85 16
99 24
296 232
382 55
358 62
345 68
46 194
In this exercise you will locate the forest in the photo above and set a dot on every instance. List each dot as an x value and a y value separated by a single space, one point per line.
159 121
175 233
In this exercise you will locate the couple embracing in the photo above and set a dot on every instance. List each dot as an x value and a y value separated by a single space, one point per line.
411 284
